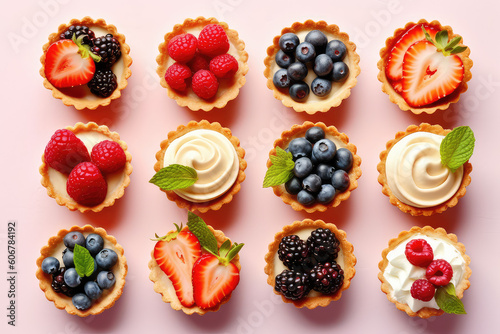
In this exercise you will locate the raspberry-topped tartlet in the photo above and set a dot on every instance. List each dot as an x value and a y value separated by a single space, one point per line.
425 272
86 63
202 64
311 66
86 167
310 263
424 67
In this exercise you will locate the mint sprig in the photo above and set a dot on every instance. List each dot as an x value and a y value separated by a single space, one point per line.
84 262
281 169
174 177
440 41
447 300
457 147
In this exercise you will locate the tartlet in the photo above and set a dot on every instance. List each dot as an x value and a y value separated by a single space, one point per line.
413 210
55 182
345 259
395 97
55 247
224 198
80 97
228 89
340 91
341 140
438 234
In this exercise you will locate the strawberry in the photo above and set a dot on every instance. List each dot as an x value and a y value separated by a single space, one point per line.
394 67
176 254
69 63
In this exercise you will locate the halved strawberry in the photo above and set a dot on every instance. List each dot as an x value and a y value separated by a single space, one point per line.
394 67
176 254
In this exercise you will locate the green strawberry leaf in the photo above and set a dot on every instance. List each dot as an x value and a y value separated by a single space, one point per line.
457 147
281 169
442 39
458 49
203 233
448 301
453 43
84 262
175 176
442 44
234 250
224 248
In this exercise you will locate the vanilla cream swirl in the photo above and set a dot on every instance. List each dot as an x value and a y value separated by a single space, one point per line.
400 273
415 174
213 157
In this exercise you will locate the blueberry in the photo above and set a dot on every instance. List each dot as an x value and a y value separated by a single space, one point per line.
92 290
305 52
283 59
303 167
343 159
106 258
106 279
305 198
326 194
297 71
81 301
299 91
50 265
281 78
318 39
323 65
340 71
321 87
300 147
314 134
94 243
324 150
325 172
312 183
336 50
288 42
67 258
71 278
340 180
293 186
74 238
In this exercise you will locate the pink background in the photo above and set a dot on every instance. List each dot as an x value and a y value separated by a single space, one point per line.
145 114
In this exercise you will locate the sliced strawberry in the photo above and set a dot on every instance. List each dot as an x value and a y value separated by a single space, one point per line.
213 281
67 66
394 67
176 254
428 74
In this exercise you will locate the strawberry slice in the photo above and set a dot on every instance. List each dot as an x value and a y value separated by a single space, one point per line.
176 254
428 74
394 67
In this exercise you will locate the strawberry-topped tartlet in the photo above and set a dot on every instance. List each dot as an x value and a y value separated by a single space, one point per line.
424 67
195 268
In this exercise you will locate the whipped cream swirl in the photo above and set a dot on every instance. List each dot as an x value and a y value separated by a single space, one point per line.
401 274
213 157
415 174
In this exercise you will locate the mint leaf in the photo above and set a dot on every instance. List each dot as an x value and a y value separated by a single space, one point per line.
281 169
442 39
203 233
457 147
174 177
84 262
448 301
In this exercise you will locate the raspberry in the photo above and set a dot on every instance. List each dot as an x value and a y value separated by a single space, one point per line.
205 84
213 40
419 252
64 151
422 290
224 66
108 156
439 272
182 47
86 185
199 62
177 75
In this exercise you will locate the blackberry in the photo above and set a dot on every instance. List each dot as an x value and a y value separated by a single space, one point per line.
103 83
323 245
292 250
59 286
108 48
327 277
292 284
79 30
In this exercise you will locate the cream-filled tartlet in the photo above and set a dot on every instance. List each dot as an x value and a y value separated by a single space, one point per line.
212 159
